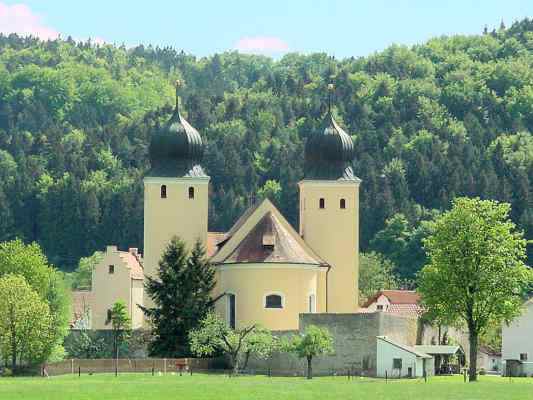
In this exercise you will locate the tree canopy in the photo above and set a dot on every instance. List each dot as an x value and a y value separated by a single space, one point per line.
446 118
314 341
29 262
476 273
26 326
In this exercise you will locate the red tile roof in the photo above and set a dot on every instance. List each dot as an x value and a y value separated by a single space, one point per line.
133 262
405 302
396 297
213 239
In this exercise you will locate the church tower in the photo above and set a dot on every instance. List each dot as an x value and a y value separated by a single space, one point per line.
329 211
175 190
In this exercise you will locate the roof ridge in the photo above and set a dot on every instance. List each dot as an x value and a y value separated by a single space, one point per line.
285 249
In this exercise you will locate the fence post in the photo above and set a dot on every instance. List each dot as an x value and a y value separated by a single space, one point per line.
164 366
79 370
386 376
72 365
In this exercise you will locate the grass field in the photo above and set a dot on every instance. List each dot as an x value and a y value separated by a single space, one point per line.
147 387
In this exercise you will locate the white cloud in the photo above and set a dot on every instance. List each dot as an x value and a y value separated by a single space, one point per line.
20 19
262 45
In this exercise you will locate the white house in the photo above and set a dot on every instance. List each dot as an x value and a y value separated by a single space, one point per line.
489 359
517 344
402 302
396 360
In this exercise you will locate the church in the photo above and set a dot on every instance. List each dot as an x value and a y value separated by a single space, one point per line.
266 271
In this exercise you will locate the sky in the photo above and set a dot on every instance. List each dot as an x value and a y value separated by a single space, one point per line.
342 28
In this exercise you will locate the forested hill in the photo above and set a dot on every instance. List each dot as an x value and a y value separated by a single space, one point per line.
447 118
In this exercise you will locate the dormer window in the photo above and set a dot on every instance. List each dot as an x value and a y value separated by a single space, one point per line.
380 307
191 193
343 204
111 269
163 191
268 241
322 203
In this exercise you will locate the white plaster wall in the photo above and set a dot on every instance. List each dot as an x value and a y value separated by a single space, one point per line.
518 337
386 352
381 300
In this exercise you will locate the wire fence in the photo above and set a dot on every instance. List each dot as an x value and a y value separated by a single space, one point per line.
125 365
182 366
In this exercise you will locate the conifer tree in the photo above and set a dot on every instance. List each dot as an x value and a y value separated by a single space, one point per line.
182 297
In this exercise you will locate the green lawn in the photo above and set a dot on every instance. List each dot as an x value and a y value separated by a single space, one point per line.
146 387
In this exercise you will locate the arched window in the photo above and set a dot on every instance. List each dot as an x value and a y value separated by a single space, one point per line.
343 204
163 191
312 306
191 193
312 303
231 310
273 301
322 203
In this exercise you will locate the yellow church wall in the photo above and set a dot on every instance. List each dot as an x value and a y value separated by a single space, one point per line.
109 288
251 283
333 233
175 215
137 298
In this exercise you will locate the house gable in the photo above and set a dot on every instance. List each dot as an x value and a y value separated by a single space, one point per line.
246 239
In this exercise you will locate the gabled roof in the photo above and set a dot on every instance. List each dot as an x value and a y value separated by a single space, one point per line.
263 235
491 352
442 349
404 347
396 297
133 263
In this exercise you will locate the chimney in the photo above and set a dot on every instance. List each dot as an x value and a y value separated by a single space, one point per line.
134 251
111 249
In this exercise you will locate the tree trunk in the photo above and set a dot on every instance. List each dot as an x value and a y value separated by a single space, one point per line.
116 354
472 370
235 362
13 360
247 357
309 368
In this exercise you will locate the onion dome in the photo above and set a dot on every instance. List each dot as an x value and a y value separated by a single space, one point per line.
330 151
176 149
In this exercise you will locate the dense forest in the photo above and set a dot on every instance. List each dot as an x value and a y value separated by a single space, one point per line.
434 121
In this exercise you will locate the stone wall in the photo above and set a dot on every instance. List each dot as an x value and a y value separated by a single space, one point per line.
355 343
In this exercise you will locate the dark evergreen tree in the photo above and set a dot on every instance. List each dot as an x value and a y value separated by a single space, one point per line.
182 297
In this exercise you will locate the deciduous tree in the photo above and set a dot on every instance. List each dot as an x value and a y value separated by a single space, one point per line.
315 341
476 272
26 334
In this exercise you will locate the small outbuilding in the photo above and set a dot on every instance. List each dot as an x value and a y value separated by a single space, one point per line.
395 360
448 359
